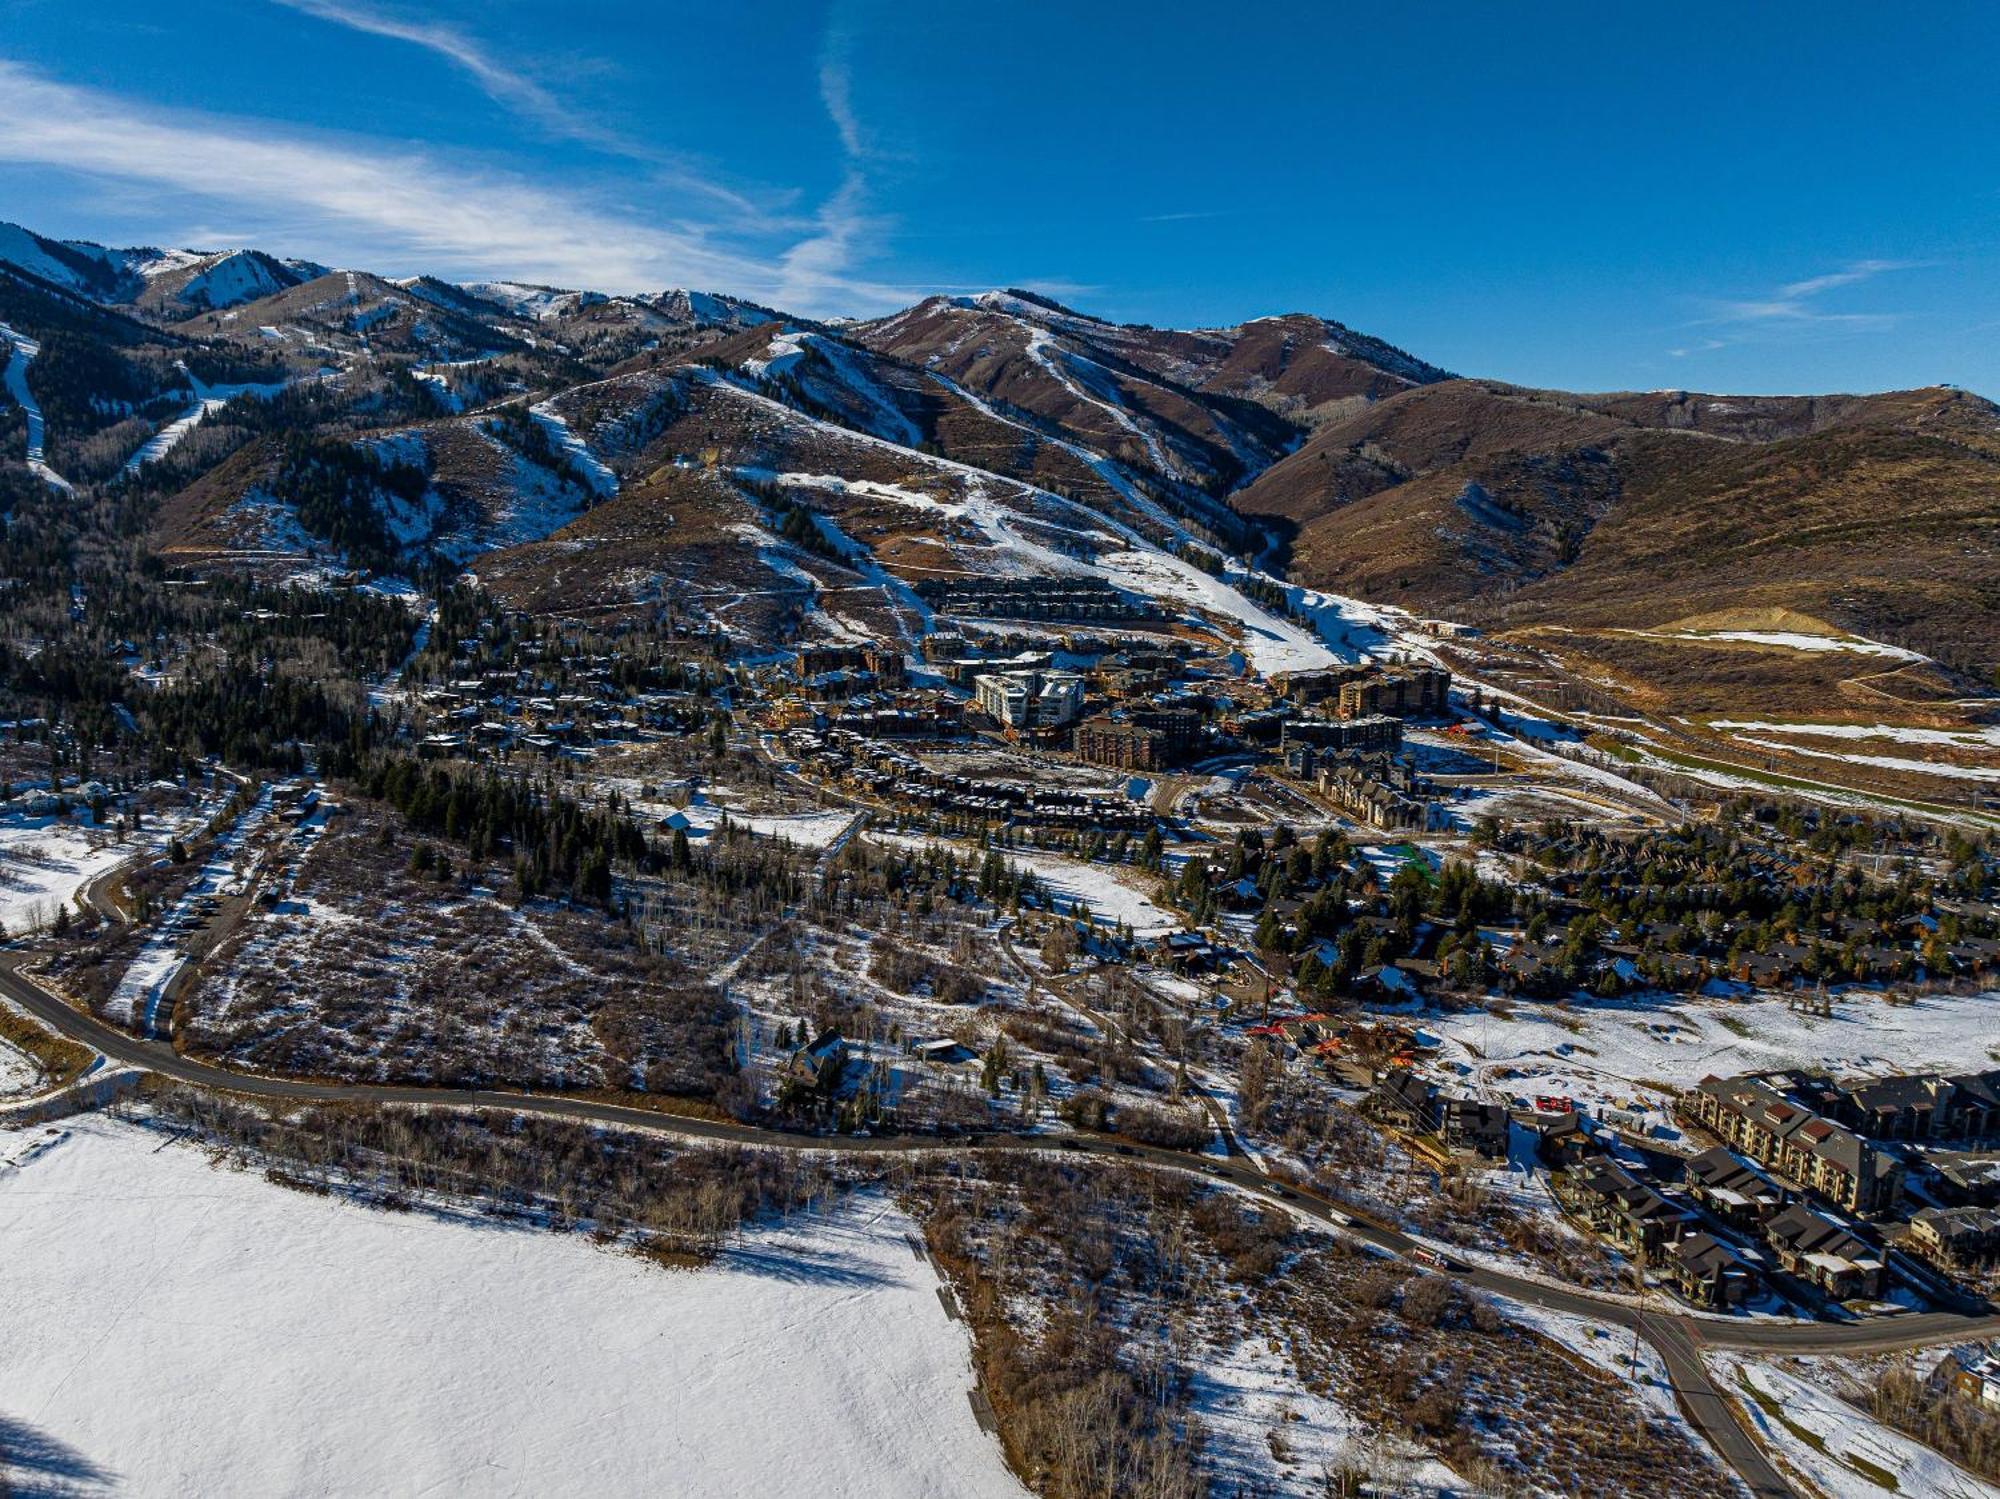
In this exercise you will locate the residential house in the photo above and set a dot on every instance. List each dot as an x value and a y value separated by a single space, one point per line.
1615 1203
1709 1273
1960 1177
819 1066
1978 1378
1803 1146
1825 1254
1412 692
1898 1108
1474 1124
1732 1189
1956 1238
1404 1101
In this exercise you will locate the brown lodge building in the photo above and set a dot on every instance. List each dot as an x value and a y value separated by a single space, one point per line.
1145 740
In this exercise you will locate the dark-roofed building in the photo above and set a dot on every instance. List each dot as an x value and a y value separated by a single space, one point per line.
1378 734
1917 1106
819 1065
1710 1273
1404 1101
1975 1105
1732 1189
1615 1203
1825 1254
1803 1146
1962 1177
1897 1108
1407 692
1956 1238
1146 739
1474 1124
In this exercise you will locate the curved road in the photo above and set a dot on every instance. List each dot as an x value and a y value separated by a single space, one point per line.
1676 1337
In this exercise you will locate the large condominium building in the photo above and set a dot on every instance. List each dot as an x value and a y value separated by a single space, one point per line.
1807 1148
1030 699
1406 692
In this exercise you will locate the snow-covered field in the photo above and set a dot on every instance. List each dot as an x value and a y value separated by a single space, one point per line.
1608 1051
206 400
1881 762
1981 738
1844 1453
172 1328
575 449
806 829
44 861
1109 891
1612 1350
1272 644
1791 640
1247 1393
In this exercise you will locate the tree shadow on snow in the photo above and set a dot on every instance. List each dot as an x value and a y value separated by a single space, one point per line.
805 1266
35 1465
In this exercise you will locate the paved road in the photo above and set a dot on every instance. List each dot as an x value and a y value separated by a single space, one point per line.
1709 1409
100 894
1675 1337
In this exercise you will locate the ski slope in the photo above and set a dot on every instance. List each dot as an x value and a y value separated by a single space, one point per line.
207 399
24 351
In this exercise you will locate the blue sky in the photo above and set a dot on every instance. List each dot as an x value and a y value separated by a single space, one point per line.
1779 197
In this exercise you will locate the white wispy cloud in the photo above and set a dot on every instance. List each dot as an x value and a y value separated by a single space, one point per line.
1795 306
503 84
1798 310
1795 302
521 94
833 244
836 92
844 224
1860 270
396 208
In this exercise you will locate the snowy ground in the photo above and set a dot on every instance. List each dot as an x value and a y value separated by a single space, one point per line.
153 967
1983 741
1881 762
175 1328
1844 1453
1272 644
18 1073
806 829
1608 1052
207 399
43 862
573 447
1790 640
1981 738
1110 891
1250 1391
1610 1349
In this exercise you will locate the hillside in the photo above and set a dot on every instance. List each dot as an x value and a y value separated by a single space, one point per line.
800 477
1874 515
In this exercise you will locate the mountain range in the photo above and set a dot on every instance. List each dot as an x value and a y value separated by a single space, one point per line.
786 478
